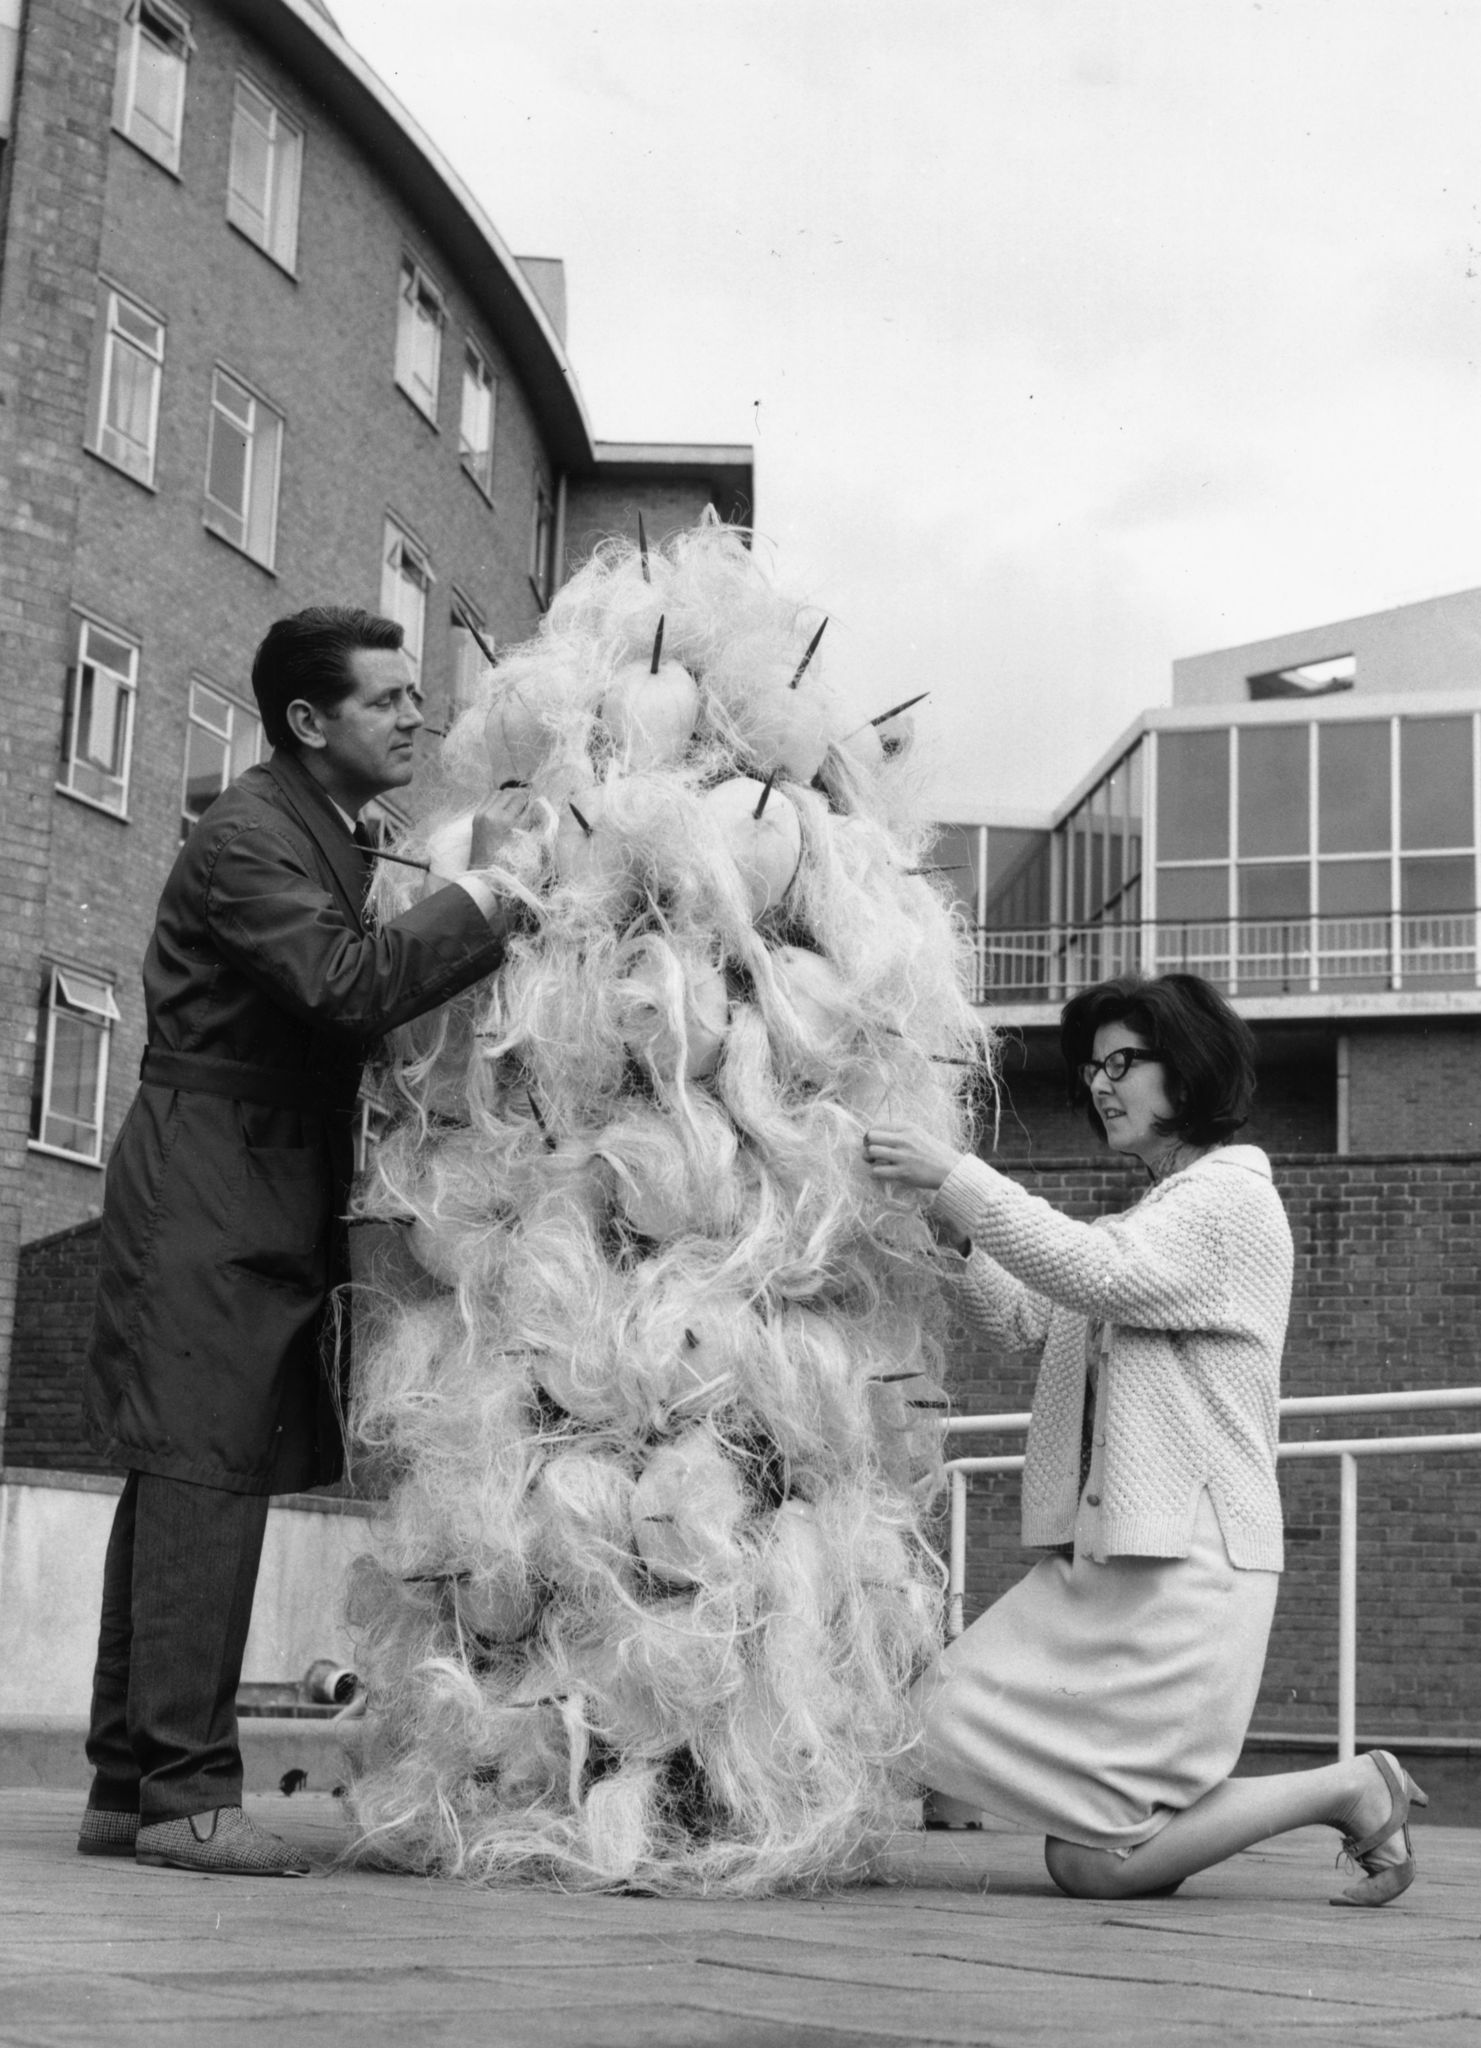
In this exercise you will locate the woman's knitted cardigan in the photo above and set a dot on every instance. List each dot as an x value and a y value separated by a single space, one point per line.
1195 1284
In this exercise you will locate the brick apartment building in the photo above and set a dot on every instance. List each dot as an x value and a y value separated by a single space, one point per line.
1302 826
259 347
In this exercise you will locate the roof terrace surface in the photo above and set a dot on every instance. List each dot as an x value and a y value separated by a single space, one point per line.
97 1951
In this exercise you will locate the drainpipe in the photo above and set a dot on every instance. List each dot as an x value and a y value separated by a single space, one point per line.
1344 1094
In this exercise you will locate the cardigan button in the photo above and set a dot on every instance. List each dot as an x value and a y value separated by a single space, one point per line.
1092 1500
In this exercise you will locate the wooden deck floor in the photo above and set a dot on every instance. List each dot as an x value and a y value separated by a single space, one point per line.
100 1952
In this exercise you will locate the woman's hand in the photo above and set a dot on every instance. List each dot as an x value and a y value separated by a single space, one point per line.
495 821
908 1156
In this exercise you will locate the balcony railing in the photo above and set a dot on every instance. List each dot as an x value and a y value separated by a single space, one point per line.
1243 956
1347 1450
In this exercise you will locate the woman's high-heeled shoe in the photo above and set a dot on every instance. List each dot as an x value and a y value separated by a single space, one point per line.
1385 1879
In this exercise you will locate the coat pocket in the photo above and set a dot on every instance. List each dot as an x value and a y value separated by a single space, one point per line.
283 1217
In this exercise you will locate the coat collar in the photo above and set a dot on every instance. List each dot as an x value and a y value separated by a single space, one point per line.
324 825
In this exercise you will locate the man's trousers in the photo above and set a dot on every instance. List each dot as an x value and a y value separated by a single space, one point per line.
177 1603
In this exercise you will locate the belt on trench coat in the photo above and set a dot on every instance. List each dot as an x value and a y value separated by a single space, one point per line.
332 1093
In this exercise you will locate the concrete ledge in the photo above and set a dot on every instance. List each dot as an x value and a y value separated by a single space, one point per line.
47 1749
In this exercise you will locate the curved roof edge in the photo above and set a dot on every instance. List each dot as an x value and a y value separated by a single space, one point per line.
303 36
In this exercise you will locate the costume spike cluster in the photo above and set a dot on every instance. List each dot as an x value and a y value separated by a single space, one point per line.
651 1383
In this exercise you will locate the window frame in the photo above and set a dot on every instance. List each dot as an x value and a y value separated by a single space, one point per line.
256 442
107 1015
467 654
235 706
107 333
416 289
478 468
126 78
400 542
82 623
285 142
542 544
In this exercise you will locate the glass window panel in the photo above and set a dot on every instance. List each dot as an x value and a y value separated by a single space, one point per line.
1353 787
1201 893
246 742
1193 795
1435 799
210 709
226 482
205 771
1283 889
262 507
1354 888
1274 789
1428 886
476 427
251 168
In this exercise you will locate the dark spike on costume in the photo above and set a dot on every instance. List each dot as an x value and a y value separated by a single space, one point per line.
657 647
401 859
643 548
765 794
812 648
895 709
582 822
539 1119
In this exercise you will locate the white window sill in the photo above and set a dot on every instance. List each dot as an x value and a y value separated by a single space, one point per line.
145 483
288 270
237 548
171 170
484 490
56 1152
418 407
93 803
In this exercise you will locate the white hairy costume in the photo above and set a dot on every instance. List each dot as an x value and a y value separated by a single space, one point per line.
657 1415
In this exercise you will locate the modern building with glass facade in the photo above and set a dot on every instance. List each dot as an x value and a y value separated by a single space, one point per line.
1302 826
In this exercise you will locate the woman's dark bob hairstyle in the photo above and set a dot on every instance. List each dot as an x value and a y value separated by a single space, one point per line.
1208 1052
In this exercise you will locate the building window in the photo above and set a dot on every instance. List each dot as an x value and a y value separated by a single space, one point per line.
242 469
476 423
98 726
123 404
77 1018
154 48
266 157
406 580
222 739
419 338
542 545
468 660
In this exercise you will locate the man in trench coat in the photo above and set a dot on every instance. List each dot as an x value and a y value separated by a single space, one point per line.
213 1372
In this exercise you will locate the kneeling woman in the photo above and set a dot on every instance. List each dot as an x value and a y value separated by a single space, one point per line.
1105 1698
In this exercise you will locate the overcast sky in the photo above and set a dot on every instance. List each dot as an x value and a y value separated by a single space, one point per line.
1070 336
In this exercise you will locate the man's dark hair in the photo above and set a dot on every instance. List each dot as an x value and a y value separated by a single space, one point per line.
1207 1051
308 655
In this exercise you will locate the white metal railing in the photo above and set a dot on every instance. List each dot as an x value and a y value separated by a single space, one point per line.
1348 1450
1248 956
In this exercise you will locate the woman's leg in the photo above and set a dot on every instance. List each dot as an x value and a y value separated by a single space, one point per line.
1235 1815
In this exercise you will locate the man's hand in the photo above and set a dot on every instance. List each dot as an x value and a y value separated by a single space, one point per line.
908 1156
496 821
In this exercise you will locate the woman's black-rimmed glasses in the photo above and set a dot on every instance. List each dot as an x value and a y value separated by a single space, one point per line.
1116 1065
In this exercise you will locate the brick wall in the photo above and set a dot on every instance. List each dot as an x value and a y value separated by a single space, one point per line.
597 508
1415 1087
53 1317
1387 1293
54 179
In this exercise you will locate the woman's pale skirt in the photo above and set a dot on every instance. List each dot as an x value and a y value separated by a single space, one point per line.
1094 1701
